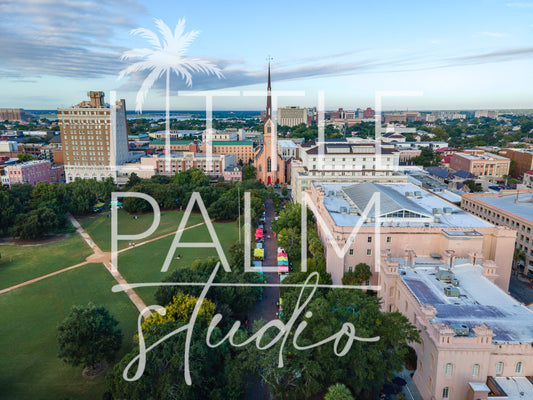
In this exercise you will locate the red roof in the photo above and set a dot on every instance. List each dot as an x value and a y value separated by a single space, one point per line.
443 149
530 172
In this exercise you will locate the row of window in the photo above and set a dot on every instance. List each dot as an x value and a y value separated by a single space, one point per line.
448 369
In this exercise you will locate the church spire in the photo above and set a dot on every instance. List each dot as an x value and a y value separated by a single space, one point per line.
269 99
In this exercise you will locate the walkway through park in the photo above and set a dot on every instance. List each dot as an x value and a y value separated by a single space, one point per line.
99 257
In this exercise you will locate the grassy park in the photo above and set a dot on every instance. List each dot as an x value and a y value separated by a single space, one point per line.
29 363
30 314
99 226
22 263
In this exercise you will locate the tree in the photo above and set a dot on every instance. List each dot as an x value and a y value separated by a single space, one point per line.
518 255
133 180
358 276
338 392
473 186
88 336
35 223
224 208
180 309
364 369
284 191
248 172
23 157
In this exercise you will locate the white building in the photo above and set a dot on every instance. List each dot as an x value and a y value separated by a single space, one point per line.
344 160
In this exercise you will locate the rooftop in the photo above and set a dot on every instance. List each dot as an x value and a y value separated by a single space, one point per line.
479 157
172 142
507 202
515 387
479 301
233 143
342 199
287 143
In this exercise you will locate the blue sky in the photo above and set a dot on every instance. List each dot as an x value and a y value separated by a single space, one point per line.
461 55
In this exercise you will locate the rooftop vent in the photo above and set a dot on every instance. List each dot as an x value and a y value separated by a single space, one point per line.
461 329
344 210
451 291
331 193
437 211
408 194
340 194
353 210
445 276
418 194
447 210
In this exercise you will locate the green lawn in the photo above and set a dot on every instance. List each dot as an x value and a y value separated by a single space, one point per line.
143 263
21 263
29 365
99 226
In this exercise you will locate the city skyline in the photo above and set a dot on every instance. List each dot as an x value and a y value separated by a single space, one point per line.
475 56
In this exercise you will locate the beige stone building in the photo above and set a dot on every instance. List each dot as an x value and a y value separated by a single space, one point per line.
511 209
475 338
292 116
408 218
93 138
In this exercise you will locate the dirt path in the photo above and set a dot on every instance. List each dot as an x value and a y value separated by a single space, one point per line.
99 257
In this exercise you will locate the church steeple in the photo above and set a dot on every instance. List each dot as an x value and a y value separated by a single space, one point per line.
269 99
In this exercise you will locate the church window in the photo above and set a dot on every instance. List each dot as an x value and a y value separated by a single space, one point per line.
269 165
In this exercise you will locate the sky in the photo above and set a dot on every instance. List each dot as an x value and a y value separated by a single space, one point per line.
457 55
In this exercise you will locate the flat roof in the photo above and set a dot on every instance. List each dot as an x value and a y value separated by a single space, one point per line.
480 300
524 207
516 387
427 201
486 157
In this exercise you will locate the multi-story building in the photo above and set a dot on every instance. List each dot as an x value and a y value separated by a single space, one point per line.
94 138
510 208
343 160
486 114
157 164
484 166
233 173
15 114
527 180
406 217
368 113
475 339
33 172
523 160
227 135
175 145
288 149
8 147
243 149
292 116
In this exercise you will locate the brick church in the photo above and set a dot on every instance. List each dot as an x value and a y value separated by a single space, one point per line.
270 168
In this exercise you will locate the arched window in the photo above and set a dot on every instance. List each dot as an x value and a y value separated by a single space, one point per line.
269 165
269 129
518 368
499 369
448 369
475 370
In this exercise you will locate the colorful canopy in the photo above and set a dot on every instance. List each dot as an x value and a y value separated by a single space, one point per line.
258 233
283 268
283 262
259 253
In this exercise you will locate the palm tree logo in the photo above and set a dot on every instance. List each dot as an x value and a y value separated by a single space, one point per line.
167 55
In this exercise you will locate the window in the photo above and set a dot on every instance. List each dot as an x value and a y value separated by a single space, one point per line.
351 252
446 393
448 369
368 252
350 269
269 165
369 239
518 368
475 370
389 239
499 369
